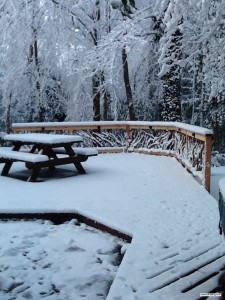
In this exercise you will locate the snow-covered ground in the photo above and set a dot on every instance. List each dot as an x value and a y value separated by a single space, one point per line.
171 217
68 261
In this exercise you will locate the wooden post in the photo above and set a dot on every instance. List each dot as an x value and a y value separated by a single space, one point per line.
186 146
127 137
207 162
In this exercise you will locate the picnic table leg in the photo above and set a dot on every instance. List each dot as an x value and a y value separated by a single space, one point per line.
8 164
50 153
69 151
76 162
6 168
79 167
16 147
34 174
47 150
33 149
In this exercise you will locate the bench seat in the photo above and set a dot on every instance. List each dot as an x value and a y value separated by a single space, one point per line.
78 150
8 154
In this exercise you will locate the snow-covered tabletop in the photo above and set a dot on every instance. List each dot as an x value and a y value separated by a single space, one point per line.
43 138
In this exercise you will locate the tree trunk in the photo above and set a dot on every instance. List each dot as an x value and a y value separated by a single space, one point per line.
8 111
105 98
96 80
96 97
35 61
128 89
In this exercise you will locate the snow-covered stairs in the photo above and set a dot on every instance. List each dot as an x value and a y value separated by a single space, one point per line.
188 273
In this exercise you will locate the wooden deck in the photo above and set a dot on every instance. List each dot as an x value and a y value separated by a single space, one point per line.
196 270
176 250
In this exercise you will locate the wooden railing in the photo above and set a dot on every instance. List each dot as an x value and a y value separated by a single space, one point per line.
191 145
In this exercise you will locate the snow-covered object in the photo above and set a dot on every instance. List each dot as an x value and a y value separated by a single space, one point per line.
23 156
85 151
175 125
79 150
43 138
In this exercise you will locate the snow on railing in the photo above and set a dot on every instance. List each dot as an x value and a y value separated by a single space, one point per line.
191 145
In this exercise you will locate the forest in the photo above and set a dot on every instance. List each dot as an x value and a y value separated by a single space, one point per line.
85 60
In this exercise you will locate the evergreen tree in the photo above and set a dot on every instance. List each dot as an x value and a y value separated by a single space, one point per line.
170 54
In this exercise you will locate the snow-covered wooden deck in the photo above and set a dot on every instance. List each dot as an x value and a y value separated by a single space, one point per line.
176 251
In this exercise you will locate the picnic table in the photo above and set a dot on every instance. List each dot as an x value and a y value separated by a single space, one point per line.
44 152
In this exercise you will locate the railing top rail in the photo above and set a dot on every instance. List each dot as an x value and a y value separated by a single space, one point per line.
176 126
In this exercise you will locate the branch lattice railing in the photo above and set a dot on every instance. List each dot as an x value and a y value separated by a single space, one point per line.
191 145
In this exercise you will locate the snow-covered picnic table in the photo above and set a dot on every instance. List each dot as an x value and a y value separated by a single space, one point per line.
43 152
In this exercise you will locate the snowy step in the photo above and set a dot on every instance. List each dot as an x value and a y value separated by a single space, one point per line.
194 282
8 154
188 272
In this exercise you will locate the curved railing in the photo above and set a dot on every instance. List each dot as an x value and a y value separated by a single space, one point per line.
191 145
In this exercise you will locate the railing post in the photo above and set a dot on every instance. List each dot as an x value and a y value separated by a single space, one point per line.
127 137
207 162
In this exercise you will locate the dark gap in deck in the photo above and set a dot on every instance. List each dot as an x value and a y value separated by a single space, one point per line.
199 282
202 266
220 288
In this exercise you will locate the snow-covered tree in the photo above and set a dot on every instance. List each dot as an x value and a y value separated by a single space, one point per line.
32 83
213 41
168 24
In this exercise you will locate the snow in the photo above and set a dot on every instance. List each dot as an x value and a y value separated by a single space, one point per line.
43 138
85 151
173 220
175 125
78 150
42 260
28 157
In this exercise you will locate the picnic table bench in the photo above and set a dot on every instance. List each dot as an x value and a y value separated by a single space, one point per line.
44 152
